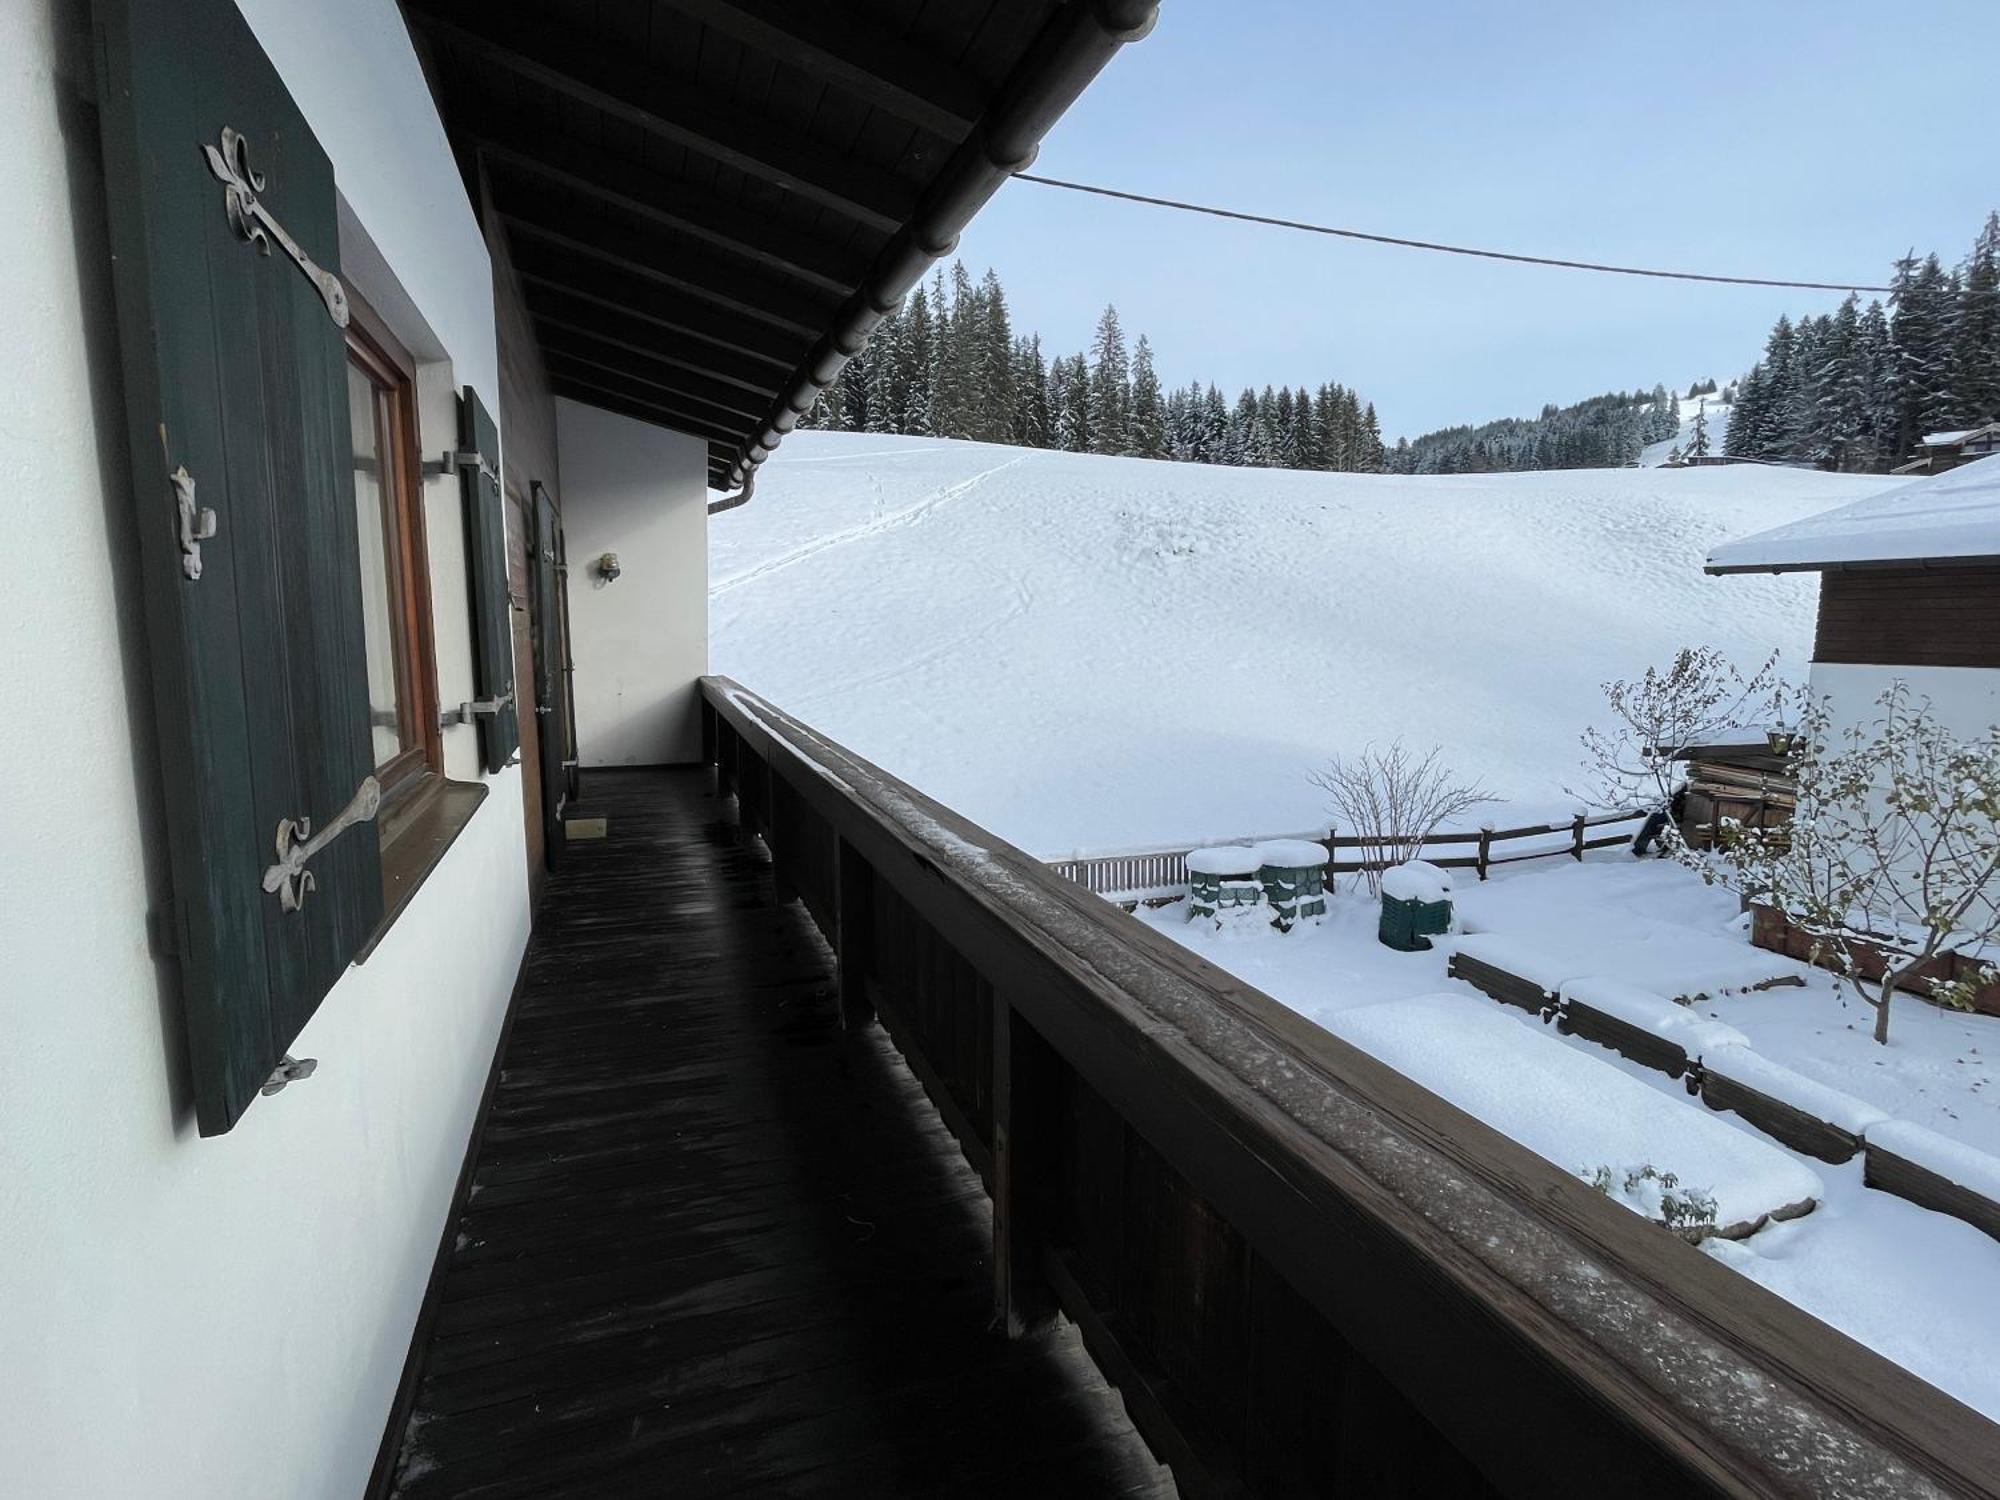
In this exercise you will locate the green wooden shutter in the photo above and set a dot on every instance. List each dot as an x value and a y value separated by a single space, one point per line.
235 381
486 541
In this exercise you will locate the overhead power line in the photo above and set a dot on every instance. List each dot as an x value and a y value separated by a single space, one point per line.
1409 244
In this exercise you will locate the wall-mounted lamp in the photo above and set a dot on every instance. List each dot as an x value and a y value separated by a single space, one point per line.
607 567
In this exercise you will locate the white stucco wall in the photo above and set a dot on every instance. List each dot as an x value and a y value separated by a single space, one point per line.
179 1316
1965 700
640 642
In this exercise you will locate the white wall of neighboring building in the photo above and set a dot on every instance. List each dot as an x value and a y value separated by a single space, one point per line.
1965 700
222 1317
640 642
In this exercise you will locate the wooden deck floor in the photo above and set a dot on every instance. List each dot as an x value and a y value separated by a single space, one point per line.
713 1245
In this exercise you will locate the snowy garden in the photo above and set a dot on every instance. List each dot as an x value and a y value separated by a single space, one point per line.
1649 942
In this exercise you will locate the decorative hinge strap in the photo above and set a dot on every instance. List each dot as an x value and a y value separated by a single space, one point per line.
289 879
254 222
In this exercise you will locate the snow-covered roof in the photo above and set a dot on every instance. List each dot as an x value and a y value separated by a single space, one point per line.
1953 516
1953 439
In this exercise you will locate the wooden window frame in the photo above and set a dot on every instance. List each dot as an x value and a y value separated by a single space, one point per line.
417 770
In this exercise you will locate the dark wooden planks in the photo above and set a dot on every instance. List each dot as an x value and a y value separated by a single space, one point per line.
714 1244
1915 617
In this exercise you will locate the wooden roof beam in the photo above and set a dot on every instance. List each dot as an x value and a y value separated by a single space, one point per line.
593 388
652 303
568 312
714 125
674 385
515 151
743 293
853 54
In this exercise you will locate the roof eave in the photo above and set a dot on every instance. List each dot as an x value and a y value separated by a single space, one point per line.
1856 565
1071 51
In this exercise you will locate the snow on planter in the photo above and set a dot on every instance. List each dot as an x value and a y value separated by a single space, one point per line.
1512 972
1585 1116
1416 906
1416 880
1293 873
1935 1171
1223 886
1645 1027
1807 1095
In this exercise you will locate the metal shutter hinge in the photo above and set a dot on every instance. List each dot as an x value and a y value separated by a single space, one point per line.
289 879
290 1069
197 522
454 459
467 713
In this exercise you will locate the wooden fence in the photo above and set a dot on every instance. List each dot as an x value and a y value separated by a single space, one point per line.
1162 870
1305 1274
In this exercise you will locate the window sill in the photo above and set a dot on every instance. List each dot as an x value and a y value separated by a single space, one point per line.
415 837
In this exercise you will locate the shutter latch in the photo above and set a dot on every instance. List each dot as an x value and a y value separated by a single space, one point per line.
289 879
250 219
467 713
197 522
290 1069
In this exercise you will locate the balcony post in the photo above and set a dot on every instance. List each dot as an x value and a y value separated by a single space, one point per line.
1025 1106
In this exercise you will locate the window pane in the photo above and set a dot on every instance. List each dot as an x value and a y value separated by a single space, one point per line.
375 517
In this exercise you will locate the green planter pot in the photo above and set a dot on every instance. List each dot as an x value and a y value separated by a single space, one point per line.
1220 879
1293 875
1409 926
1416 906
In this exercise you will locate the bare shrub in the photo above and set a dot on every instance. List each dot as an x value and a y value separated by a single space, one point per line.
1391 800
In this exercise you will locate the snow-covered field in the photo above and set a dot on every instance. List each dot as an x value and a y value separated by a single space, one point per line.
1096 654
1888 1273
1103 653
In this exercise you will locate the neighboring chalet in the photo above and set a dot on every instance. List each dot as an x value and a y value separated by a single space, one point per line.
452 1045
1909 591
1940 451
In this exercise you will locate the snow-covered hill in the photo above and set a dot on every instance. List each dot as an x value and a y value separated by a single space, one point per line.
1095 653
1655 454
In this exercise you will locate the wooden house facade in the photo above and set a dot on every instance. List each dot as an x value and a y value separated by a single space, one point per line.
454 1045
1909 593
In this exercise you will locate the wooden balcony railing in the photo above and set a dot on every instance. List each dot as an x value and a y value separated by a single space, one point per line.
1305 1274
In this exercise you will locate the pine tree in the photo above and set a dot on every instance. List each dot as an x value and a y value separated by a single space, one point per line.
1031 394
993 364
1148 433
1920 325
1698 434
919 361
1074 432
1975 343
1110 387
888 376
1837 391
1875 356
1371 455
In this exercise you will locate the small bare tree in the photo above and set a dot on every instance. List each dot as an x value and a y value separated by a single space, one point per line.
1391 800
1697 700
1893 854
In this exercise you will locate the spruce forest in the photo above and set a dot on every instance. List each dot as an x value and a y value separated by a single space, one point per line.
1856 389
948 364
1850 390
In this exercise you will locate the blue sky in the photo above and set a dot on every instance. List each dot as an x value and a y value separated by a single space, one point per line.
1807 141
